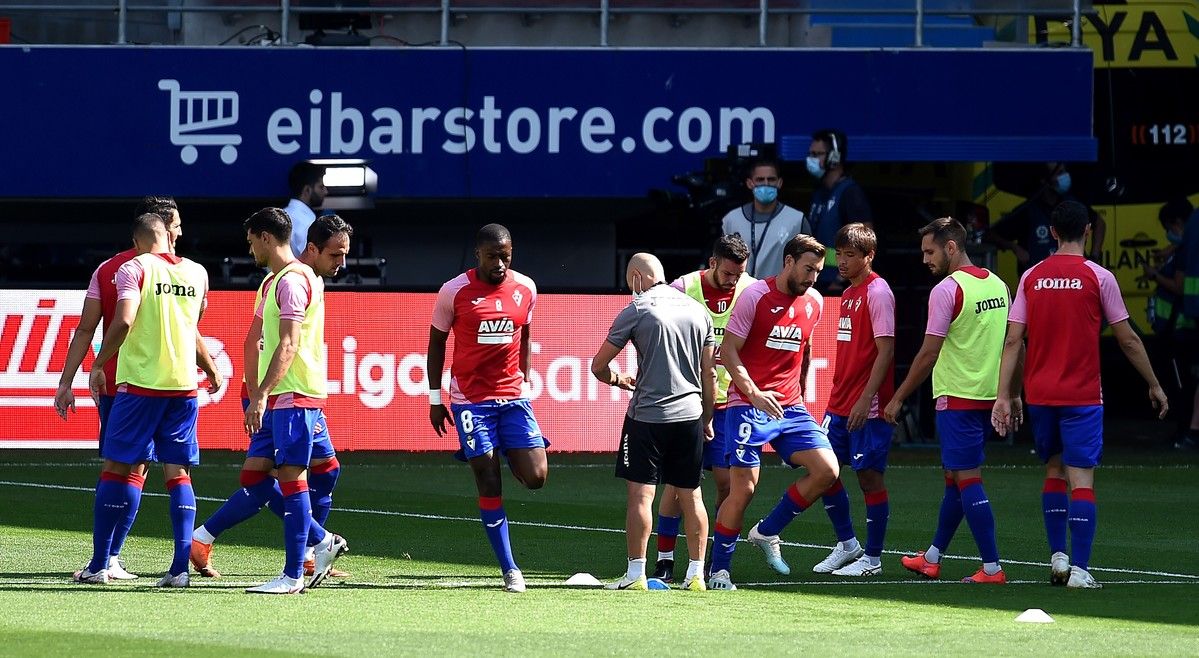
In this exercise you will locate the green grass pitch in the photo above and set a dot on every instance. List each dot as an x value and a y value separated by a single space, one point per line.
423 580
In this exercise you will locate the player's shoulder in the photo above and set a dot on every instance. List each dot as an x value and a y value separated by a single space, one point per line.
758 287
753 293
815 296
524 280
879 286
946 285
455 284
1103 275
115 261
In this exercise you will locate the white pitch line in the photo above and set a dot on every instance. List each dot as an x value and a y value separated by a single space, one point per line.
563 526
198 583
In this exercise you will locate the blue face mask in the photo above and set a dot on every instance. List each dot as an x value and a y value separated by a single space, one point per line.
766 193
1061 184
814 167
1173 238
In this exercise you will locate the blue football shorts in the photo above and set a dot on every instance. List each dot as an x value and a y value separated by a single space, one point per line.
715 451
747 429
262 442
963 433
1075 433
497 424
144 428
863 449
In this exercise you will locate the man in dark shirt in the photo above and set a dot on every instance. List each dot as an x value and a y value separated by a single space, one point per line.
837 200
1025 230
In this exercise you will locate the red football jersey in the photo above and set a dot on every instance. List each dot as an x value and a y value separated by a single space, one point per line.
867 312
776 329
103 287
486 321
1063 301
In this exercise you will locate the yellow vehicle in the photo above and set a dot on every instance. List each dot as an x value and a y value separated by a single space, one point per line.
1147 126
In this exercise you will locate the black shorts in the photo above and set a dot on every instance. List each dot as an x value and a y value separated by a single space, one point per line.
670 453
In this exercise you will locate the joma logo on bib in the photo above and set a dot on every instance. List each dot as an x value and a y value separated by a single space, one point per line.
174 289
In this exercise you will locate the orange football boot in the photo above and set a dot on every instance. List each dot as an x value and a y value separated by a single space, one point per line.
917 564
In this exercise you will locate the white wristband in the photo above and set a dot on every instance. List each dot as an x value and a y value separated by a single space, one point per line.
526 391
435 397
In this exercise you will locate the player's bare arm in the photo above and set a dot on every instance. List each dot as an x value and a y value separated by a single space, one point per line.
922 367
249 353
708 379
285 353
439 416
122 320
804 366
206 364
878 372
89 319
1006 417
1134 351
526 350
601 367
765 401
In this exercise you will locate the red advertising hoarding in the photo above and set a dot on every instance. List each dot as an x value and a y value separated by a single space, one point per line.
377 344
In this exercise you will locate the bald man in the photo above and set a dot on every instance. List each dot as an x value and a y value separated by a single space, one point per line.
670 414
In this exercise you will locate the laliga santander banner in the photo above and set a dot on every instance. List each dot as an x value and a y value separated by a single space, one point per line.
376 345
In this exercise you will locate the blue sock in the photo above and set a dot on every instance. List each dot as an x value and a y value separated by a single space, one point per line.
134 493
1054 504
256 488
321 486
297 515
183 520
980 518
836 503
950 517
878 511
316 532
724 541
788 507
111 504
1082 526
274 499
495 522
668 532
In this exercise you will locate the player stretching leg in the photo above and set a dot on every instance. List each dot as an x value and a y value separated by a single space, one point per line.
486 307
963 344
718 289
863 383
1061 305
767 350
328 243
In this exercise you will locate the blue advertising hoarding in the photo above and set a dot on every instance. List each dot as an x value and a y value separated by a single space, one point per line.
489 123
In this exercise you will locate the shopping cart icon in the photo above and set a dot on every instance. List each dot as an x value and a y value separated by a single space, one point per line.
193 112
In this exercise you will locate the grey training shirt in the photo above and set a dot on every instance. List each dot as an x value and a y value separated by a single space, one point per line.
669 330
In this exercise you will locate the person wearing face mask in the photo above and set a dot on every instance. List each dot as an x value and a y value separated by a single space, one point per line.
1185 284
1025 230
670 413
1165 311
837 200
765 224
